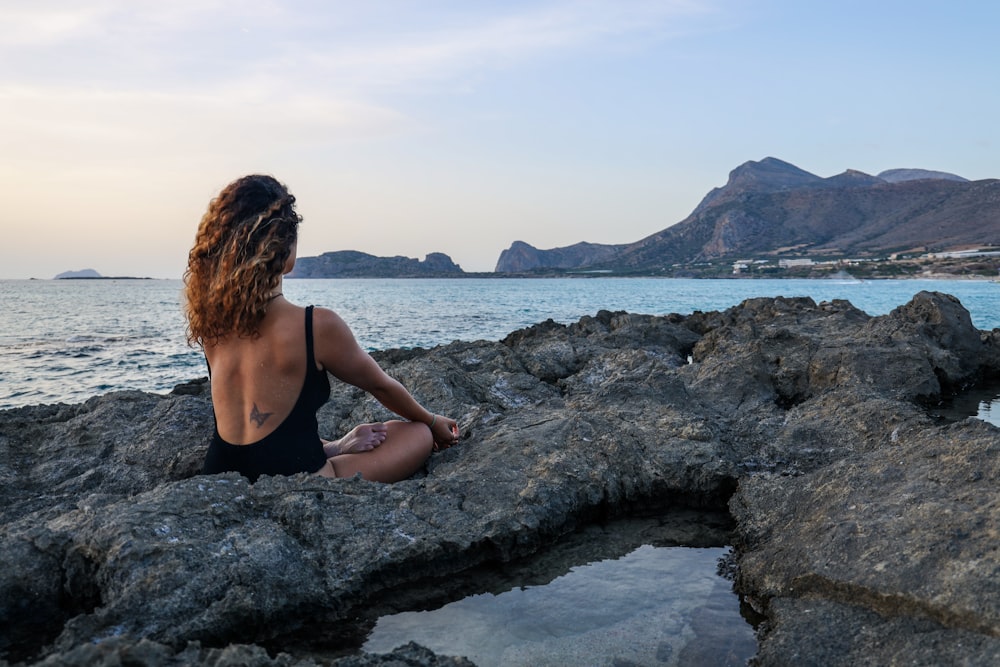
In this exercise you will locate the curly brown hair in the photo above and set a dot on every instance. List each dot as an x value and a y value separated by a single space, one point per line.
243 242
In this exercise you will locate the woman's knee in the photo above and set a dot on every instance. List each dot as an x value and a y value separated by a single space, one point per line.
418 432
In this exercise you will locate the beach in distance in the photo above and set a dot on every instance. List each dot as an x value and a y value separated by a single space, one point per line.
68 340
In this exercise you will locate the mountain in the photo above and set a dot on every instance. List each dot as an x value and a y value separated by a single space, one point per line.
768 175
354 264
774 209
898 175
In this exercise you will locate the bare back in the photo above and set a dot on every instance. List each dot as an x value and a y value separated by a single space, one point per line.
256 381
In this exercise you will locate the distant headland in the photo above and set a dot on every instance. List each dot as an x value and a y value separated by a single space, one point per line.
354 264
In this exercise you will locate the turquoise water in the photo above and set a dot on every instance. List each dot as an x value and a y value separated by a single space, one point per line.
67 340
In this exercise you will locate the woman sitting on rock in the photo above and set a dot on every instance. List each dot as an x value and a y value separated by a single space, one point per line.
268 358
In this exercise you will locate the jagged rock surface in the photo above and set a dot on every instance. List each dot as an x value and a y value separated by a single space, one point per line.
860 519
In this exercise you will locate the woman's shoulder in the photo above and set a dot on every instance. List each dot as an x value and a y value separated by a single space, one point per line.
327 321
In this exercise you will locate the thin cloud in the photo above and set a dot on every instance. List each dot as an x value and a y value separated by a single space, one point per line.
51 23
39 25
191 75
153 43
399 56
45 124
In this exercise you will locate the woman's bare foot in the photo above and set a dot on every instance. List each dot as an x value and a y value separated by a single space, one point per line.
362 438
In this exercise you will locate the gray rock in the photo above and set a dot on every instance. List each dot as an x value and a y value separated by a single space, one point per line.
907 532
116 652
852 501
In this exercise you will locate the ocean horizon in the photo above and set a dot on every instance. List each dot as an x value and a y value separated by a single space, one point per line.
63 341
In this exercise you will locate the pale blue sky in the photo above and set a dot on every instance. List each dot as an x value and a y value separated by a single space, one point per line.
410 127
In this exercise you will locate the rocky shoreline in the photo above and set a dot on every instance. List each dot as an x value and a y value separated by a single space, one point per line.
866 530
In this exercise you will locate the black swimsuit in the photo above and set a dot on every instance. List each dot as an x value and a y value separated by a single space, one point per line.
294 446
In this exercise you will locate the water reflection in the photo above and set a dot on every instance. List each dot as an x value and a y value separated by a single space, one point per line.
989 411
981 402
654 603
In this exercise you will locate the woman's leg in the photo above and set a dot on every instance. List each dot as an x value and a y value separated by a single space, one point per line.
407 446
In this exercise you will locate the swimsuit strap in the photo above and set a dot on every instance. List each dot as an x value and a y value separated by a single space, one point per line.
310 356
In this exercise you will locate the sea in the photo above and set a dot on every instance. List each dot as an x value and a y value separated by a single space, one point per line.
63 341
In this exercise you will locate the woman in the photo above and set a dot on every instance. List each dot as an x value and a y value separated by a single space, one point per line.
268 358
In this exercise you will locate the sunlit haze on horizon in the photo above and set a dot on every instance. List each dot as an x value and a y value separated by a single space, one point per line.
406 128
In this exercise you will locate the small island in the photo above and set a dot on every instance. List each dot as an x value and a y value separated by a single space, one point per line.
77 275
91 274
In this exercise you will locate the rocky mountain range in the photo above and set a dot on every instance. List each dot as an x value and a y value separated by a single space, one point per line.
774 209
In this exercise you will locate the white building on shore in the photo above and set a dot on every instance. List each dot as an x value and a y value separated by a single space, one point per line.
789 263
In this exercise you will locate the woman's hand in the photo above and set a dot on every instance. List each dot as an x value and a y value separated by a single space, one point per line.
362 438
445 432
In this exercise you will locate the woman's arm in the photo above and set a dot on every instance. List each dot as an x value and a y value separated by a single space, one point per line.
338 352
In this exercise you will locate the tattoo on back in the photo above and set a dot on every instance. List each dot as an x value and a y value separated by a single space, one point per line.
258 417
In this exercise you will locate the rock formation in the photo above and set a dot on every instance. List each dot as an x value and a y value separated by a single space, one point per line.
354 264
521 257
866 530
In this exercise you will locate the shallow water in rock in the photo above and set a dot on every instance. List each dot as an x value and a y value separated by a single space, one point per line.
980 402
655 603
989 411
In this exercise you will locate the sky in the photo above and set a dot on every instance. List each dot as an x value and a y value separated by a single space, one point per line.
405 127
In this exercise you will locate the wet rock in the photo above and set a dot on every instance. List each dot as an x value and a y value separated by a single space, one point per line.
116 550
